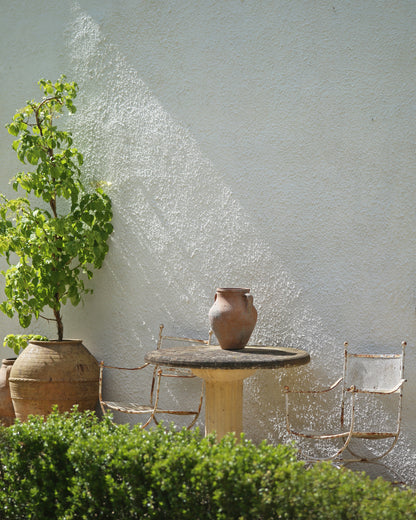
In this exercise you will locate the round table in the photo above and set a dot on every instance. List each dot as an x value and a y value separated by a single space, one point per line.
223 372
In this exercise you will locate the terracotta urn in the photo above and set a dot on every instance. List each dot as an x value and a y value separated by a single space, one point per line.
233 317
49 373
7 415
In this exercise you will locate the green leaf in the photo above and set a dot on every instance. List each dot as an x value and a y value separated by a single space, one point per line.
13 129
33 156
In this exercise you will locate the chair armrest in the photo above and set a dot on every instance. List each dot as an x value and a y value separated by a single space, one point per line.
190 340
287 390
102 365
393 390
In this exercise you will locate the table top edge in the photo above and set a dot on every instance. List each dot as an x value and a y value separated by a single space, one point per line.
188 357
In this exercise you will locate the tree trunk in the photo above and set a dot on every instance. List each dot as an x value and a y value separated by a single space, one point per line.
59 324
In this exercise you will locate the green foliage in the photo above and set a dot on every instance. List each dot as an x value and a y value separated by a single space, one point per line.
51 247
74 466
18 342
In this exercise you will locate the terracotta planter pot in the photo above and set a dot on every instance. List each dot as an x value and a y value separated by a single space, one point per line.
53 372
7 414
233 317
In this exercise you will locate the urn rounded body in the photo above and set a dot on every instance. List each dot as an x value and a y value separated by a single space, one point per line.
233 317
7 414
49 373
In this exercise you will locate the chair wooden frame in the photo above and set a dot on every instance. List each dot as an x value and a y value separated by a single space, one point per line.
152 408
350 389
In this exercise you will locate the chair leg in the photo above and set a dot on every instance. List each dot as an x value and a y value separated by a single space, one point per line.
334 458
100 388
375 457
399 479
144 425
198 412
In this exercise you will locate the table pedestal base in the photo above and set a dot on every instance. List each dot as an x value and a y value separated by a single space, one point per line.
223 399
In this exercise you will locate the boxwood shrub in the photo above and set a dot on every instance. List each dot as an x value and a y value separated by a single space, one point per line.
76 466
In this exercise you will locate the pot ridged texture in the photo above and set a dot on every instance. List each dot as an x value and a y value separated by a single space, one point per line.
48 373
7 414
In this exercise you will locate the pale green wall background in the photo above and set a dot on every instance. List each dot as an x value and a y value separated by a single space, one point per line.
268 144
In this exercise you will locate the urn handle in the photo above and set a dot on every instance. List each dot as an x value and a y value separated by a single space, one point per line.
249 300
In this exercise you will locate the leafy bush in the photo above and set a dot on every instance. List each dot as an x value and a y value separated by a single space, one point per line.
75 466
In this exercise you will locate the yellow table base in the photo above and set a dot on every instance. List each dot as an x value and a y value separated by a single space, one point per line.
223 399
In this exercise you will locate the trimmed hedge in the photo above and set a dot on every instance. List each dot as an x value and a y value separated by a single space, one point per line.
76 466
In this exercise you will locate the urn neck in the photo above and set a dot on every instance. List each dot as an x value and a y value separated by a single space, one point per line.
232 290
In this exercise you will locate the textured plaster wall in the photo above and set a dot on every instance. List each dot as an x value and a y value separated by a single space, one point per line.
262 144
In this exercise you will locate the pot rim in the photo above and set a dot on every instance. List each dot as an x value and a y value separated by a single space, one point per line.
53 341
233 289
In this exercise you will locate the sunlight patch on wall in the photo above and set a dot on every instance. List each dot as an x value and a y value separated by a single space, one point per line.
177 222
179 230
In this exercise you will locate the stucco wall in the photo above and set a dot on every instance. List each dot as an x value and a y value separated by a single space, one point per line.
261 144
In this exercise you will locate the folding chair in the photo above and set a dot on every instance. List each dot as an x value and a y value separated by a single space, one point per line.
368 380
152 407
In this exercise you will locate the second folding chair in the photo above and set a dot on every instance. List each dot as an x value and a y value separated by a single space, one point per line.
151 408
